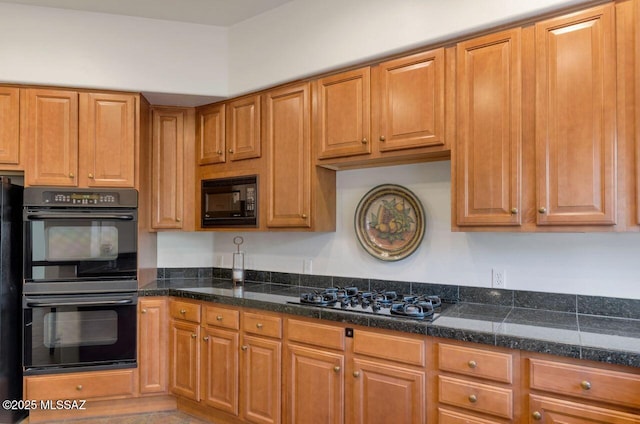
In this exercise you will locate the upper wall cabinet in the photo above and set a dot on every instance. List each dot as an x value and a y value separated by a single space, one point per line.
10 148
210 132
393 112
576 118
488 148
85 140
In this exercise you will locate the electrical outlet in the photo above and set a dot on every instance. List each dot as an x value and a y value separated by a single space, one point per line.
498 278
220 261
307 266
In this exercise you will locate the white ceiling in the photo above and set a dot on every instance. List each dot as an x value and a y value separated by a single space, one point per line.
206 12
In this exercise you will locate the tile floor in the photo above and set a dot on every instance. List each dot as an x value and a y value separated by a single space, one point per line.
174 417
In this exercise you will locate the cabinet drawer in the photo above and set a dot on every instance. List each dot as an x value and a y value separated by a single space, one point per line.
550 410
263 325
222 317
585 382
475 362
86 385
184 310
475 396
326 336
450 417
394 348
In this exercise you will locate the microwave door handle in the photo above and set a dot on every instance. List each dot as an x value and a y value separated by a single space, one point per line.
45 304
93 217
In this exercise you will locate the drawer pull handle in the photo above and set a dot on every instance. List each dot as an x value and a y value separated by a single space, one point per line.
473 398
537 416
382 138
183 311
336 368
79 387
193 336
472 364
244 348
356 374
219 317
144 311
259 325
585 385
205 338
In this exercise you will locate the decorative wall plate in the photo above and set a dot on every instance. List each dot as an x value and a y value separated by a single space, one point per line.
389 222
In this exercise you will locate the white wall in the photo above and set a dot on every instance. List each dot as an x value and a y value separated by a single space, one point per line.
40 45
304 37
591 264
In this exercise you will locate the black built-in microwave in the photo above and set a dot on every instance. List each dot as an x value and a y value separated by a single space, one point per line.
230 202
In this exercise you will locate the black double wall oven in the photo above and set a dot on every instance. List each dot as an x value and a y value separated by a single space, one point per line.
80 279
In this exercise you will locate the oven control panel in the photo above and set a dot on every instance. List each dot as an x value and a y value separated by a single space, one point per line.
71 198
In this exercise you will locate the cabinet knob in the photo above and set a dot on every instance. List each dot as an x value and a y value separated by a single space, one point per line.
244 348
219 317
514 211
79 387
193 336
542 210
356 374
183 311
91 176
304 216
219 152
71 175
336 368
383 138
144 311
259 325
365 141
205 338
472 364
178 219
473 398
537 416
230 150
585 385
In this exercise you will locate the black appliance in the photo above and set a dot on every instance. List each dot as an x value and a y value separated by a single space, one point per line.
80 240
379 302
10 289
80 279
230 202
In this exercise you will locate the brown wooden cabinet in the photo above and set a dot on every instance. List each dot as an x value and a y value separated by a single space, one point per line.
80 139
387 381
636 78
172 173
243 135
153 334
314 372
488 150
184 349
10 147
576 118
210 124
261 368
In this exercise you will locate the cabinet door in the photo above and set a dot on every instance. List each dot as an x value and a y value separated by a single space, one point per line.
342 114
51 137
488 150
410 93
243 136
315 377
152 341
184 358
384 393
261 380
211 135
167 169
637 78
551 411
9 126
220 369
108 144
289 157
576 118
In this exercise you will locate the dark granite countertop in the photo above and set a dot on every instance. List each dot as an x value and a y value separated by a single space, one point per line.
598 338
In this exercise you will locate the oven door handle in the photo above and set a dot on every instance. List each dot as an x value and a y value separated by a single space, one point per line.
93 217
48 304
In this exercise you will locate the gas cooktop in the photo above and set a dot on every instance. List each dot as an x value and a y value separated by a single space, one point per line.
379 302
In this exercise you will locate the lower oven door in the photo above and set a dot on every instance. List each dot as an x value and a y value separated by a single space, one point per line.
79 332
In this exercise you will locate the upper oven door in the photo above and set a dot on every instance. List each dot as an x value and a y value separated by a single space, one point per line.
79 244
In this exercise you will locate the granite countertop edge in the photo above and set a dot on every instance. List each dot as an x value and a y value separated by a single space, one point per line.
279 303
